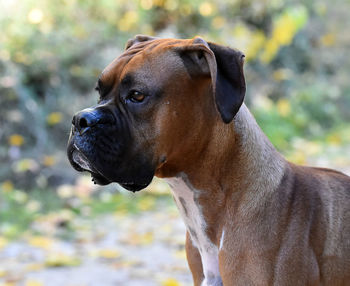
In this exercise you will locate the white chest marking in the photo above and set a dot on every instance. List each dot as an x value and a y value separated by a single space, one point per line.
222 239
185 198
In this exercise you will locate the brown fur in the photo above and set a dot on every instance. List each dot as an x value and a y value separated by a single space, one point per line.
284 224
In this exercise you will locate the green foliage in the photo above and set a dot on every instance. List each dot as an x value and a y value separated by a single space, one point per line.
51 53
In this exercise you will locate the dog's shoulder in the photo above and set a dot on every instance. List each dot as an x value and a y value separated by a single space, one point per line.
314 186
321 175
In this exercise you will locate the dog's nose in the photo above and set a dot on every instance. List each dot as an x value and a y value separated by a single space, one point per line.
85 119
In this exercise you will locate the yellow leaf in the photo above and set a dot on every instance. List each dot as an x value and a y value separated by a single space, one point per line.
32 282
7 186
298 157
181 254
8 284
206 9
26 164
218 22
282 74
128 21
41 242
146 4
49 161
60 259
312 148
147 238
146 204
283 107
270 50
170 282
139 239
16 140
127 264
54 118
334 139
34 267
256 43
328 40
108 253
3 272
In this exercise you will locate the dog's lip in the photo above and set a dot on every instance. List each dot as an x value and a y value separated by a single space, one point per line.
82 163
81 160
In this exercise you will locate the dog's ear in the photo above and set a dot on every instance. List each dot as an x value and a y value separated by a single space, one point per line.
225 66
138 39
230 83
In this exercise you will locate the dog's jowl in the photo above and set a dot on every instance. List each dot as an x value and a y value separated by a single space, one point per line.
174 109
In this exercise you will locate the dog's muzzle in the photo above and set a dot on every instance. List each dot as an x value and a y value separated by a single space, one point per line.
100 143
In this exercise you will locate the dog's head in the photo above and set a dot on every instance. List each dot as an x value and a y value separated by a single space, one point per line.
157 103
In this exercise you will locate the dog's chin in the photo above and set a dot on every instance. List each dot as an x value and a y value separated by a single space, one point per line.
81 163
99 179
133 187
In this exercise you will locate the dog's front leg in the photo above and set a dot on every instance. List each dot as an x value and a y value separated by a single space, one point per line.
194 261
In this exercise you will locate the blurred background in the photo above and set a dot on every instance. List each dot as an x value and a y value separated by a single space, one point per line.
56 227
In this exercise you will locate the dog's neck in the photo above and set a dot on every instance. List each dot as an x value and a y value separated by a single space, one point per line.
241 162
260 164
238 155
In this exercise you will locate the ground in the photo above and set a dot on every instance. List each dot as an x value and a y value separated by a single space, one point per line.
87 237
144 249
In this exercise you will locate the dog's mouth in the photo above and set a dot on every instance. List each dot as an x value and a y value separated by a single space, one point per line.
81 163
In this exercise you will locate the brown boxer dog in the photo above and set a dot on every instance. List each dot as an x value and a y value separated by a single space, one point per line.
174 109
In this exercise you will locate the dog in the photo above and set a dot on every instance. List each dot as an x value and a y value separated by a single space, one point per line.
174 109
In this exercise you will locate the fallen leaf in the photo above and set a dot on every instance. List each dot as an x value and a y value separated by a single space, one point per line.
108 253
16 140
41 242
139 239
7 186
127 264
8 284
181 254
32 282
34 267
170 282
3 242
58 259
49 161
146 204
54 118
3 272
283 107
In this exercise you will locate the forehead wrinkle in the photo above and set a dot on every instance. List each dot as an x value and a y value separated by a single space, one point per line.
151 70
134 64
111 75
158 44
137 56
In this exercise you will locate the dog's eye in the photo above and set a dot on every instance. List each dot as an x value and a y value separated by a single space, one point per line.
136 96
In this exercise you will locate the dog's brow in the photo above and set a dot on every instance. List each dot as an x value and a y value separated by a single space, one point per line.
127 80
98 85
103 89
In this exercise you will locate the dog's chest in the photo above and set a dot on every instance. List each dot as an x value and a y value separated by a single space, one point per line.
191 213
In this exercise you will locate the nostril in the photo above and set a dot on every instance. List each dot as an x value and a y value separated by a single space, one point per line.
83 123
85 119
